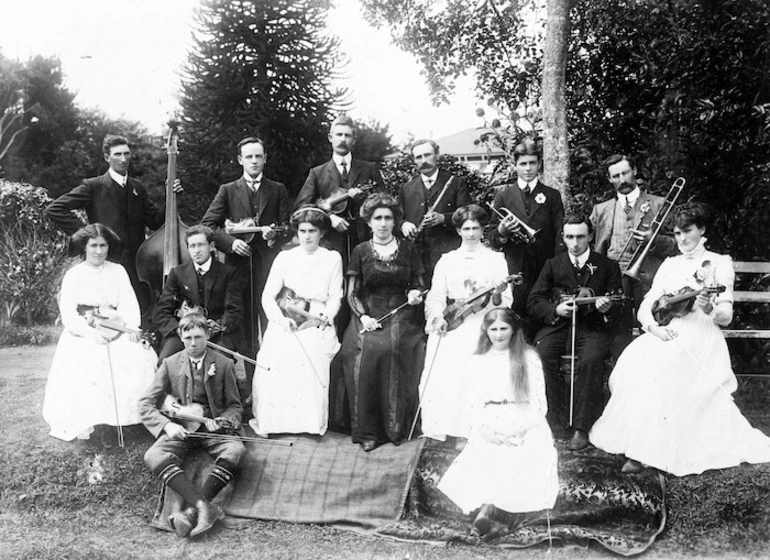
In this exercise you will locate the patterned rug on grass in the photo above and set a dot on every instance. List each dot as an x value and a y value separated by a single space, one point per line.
623 513
317 480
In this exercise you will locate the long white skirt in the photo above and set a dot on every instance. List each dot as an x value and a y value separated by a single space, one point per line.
79 391
291 382
671 405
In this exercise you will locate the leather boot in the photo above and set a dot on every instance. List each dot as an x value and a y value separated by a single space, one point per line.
184 521
208 515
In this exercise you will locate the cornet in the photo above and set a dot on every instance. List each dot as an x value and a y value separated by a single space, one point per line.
526 232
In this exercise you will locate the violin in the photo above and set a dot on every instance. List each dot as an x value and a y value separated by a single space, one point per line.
188 307
191 416
247 228
112 328
457 311
669 306
337 201
297 309
585 296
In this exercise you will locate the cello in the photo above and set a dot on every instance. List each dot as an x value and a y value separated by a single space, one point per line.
161 251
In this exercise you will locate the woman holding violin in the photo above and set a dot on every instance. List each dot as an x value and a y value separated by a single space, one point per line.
98 373
302 296
383 349
467 282
671 406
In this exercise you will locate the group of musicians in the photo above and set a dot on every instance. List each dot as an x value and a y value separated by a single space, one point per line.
342 286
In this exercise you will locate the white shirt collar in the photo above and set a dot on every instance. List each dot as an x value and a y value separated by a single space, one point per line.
204 267
338 159
581 259
522 184
430 178
121 180
248 178
631 197
199 360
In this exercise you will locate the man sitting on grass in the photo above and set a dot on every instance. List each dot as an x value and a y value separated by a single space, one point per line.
204 384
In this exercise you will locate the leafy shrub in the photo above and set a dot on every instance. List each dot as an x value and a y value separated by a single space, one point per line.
33 255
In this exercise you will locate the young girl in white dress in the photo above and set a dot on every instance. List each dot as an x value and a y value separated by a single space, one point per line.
458 274
671 406
510 462
95 381
291 382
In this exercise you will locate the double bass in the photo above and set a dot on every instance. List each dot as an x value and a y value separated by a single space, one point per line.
166 247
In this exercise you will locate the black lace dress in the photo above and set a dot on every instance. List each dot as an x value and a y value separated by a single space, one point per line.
382 368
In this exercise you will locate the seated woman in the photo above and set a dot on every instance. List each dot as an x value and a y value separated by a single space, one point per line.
471 269
95 381
301 298
382 361
510 461
671 406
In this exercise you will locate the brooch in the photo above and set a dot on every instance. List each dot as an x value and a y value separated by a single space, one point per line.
212 371
540 198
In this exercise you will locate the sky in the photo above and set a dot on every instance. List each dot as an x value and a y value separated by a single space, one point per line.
124 57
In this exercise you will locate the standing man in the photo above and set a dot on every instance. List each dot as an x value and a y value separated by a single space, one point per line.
614 221
341 175
538 206
583 272
118 201
204 283
431 188
253 200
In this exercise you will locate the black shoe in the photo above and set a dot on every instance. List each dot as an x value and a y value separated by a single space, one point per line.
369 445
579 440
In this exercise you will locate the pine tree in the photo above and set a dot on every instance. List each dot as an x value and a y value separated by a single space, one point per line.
258 68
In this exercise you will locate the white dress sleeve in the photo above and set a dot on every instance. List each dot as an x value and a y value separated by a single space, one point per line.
656 291
273 285
501 272
128 305
435 301
722 312
68 305
335 289
537 399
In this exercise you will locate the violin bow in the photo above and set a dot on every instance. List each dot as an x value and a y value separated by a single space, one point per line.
424 389
309 359
572 365
118 427
396 310
235 354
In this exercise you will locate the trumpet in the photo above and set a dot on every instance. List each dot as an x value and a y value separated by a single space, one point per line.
635 264
525 231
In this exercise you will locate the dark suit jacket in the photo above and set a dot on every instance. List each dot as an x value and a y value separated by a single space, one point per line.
415 200
559 272
127 212
174 377
603 219
233 202
321 183
222 293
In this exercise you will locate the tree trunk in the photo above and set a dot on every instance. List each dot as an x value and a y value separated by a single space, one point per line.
555 145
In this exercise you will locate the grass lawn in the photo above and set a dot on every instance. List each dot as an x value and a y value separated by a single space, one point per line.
50 510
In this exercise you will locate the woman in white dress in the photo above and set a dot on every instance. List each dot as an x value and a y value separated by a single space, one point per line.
291 382
467 270
510 462
671 406
80 394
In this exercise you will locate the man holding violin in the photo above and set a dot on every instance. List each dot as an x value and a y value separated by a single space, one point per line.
341 179
203 382
622 224
584 282
247 216
428 202
203 285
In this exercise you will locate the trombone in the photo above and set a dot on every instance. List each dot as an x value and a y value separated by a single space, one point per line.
526 231
640 253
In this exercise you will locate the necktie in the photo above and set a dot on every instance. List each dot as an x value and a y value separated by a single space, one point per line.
201 289
428 183
527 202
577 264
196 364
527 190
344 172
628 206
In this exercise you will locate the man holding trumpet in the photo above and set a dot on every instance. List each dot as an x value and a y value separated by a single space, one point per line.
528 222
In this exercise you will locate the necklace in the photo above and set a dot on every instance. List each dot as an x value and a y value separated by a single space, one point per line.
388 242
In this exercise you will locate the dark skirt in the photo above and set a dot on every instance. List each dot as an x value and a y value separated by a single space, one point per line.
382 370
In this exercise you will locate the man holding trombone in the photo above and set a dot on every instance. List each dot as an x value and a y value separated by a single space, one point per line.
624 233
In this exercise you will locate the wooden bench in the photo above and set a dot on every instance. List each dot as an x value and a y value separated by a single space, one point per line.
745 297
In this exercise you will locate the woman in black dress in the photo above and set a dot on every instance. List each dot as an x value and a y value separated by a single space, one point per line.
382 361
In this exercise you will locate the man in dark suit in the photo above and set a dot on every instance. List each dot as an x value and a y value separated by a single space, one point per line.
194 376
428 201
539 207
117 201
566 274
260 202
628 215
203 283
342 175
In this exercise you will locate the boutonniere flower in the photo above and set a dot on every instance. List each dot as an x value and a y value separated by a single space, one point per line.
135 193
540 198
645 207
591 268
212 371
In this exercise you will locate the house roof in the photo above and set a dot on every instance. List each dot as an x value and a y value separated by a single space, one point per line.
464 143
